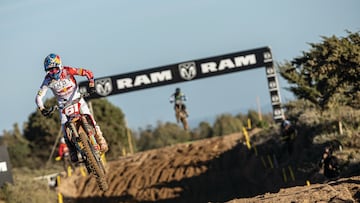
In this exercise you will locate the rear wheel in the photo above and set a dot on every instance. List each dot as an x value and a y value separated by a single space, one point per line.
183 120
94 161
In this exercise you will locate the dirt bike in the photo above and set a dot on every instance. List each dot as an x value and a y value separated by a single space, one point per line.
80 130
181 115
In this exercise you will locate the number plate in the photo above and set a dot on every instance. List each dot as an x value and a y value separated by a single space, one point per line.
72 110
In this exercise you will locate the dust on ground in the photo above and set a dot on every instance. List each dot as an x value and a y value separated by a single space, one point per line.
219 169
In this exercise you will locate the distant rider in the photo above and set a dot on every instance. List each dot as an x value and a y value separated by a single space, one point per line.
60 79
330 164
288 133
178 99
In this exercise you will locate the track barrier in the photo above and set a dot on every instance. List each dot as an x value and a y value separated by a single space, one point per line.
249 123
275 161
69 171
255 150
270 161
247 139
291 173
83 171
60 197
263 162
284 175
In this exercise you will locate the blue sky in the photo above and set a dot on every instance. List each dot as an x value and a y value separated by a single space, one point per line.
116 36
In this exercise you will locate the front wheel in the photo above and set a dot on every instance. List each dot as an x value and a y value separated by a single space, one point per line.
94 161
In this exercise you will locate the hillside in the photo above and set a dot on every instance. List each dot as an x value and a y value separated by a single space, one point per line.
220 169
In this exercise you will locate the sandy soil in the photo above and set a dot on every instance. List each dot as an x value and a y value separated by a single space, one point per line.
220 169
342 190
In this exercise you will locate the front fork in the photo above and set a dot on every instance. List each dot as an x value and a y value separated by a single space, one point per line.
90 131
73 134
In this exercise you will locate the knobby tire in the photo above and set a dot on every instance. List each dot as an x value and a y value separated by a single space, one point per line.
94 162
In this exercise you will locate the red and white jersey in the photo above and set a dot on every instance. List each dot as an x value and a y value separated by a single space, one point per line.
64 89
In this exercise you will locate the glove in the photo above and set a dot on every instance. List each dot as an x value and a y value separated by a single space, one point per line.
91 83
92 90
92 86
47 112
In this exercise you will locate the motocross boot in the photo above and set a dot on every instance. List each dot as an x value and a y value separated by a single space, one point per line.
186 113
101 140
177 114
74 156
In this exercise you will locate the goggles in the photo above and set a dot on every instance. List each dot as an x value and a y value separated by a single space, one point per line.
53 70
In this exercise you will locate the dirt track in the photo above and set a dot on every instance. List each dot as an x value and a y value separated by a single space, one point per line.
219 169
343 190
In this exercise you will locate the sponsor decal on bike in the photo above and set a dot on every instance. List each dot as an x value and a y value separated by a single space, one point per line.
187 70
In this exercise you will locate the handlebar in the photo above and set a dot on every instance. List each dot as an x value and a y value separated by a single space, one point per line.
50 110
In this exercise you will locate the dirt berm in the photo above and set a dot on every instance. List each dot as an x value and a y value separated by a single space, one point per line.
219 169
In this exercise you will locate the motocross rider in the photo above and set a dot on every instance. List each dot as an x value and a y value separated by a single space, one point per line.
178 97
60 79
288 133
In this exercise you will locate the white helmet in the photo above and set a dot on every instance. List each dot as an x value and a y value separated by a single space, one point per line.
62 140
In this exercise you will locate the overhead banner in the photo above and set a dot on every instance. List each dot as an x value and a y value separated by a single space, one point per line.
193 70
180 72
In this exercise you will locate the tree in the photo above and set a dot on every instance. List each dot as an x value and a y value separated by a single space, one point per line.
226 124
145 139
266 120
328 74
163 135
204 130
41 132
113 125
17 146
